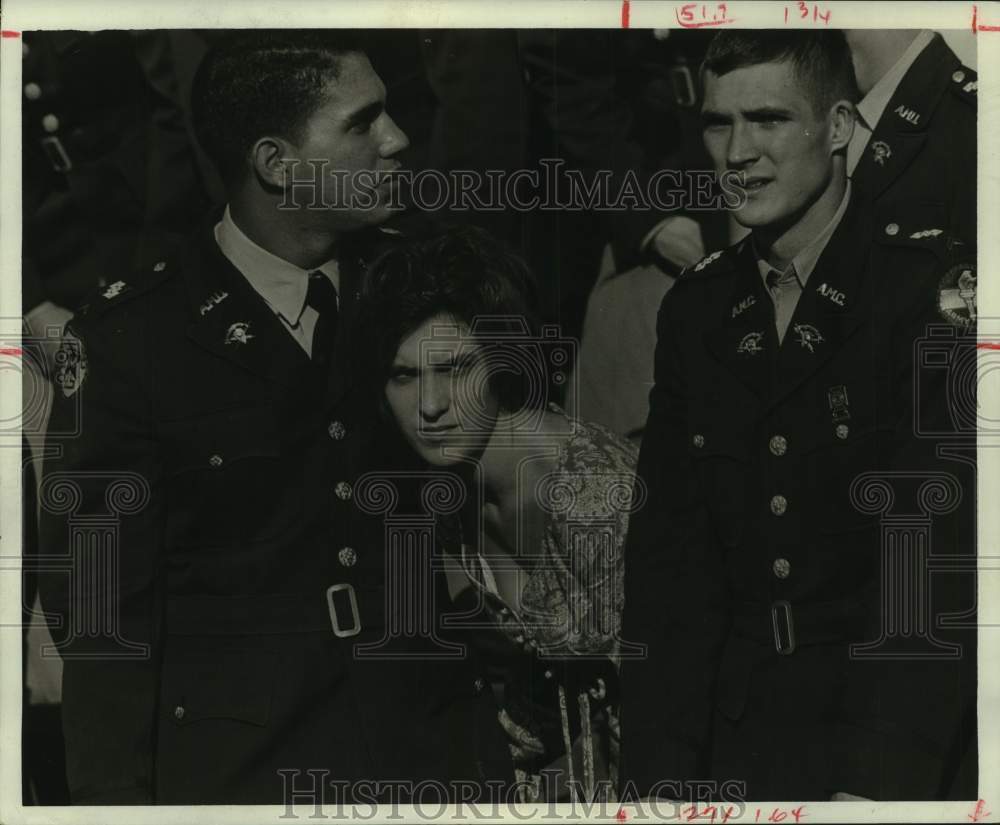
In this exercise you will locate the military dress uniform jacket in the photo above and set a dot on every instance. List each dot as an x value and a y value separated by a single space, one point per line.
921 157
755 563
203 512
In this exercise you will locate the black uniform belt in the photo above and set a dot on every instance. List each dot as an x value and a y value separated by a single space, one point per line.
341 610
788 626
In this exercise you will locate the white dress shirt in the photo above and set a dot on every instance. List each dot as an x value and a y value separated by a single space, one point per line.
281 284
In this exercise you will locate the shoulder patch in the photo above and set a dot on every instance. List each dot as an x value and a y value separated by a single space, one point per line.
956 296
70 367
965 84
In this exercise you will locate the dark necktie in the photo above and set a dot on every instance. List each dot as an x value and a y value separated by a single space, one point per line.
322 297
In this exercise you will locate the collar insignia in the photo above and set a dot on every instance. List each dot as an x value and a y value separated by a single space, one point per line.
238 333
808 335
750 344
832 294
213 301
743 305
881 151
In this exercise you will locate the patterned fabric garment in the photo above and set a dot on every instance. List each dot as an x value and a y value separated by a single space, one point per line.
561 692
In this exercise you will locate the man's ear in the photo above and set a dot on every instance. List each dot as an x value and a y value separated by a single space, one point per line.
272 161
842 115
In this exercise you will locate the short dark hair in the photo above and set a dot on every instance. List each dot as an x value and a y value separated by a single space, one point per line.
463 272
263 82
821 59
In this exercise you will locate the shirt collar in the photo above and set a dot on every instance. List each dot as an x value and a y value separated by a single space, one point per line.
873 104
805 261
282 284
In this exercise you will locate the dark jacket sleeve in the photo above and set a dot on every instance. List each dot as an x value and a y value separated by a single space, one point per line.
100 528
908 719
674 588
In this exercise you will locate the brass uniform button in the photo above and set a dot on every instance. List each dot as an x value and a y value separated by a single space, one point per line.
778 505
892 229
698 440
215 460
343 491
178 712
778 445
32 91
347 557
336 430
958 76
782 568
50 123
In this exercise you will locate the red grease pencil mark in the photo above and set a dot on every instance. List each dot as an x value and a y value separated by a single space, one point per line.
11 351
9 33
625 14
621 816
979 27
718 16
979 814
988 345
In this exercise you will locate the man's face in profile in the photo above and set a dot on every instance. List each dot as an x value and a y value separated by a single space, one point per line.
761 121
353 134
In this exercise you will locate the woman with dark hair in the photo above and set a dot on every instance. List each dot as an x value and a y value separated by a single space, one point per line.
462 375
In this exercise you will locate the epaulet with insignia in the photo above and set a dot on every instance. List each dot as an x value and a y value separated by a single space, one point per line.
956 292
965 84
718 261
934 238
117 292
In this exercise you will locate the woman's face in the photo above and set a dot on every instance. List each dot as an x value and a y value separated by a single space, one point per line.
439 392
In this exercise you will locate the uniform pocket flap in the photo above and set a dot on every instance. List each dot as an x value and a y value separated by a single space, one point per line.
227 684
219 440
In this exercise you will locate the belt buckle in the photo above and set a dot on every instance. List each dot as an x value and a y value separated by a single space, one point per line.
784 642
56 153
334 621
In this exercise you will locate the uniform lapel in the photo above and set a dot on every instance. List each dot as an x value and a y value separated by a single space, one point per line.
229 318
745 341
830 307
902 129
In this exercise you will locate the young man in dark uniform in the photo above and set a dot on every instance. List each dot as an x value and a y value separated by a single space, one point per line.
223 636
786 430
914 144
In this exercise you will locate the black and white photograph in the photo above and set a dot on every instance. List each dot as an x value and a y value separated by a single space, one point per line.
556 411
